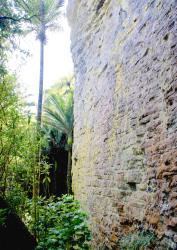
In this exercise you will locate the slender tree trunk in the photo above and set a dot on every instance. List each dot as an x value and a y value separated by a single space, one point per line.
36 183
54 178
41 79
36 174
69 180
41 82
42 38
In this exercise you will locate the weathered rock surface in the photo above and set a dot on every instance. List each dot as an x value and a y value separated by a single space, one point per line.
125 135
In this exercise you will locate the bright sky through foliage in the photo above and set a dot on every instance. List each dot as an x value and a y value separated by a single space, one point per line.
58 60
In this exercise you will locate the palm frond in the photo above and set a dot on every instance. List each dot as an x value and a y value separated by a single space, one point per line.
58 113
57 105
53 12
51 117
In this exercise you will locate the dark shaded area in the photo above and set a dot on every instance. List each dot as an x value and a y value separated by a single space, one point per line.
132 186
100 5
57 156
14 235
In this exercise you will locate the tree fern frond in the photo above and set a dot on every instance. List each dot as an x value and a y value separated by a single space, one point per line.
53 117
58 113
57 103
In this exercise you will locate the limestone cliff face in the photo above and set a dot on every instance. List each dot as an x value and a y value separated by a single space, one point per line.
125 135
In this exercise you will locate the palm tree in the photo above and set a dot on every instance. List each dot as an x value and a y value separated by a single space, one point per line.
44 15
58 115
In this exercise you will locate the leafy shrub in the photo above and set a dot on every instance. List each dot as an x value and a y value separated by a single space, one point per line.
62 225
17 198
137 241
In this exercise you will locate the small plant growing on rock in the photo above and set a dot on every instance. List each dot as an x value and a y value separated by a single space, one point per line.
137 241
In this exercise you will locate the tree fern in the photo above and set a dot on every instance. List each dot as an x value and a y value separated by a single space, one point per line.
58 116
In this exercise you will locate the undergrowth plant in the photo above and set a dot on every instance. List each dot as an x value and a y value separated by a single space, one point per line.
3 215
137 241
62 225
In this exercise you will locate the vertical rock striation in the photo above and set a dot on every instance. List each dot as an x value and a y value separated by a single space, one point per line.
125 135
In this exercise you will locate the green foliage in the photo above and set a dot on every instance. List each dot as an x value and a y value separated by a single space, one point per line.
20 169
9 20
18 146
137 241
16 197
62 86
58 113
45 176
9 119
32 8
62 225
3 215
58 119
10 27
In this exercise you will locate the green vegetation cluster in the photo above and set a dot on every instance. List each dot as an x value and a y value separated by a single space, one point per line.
62 225
58 118
137 241
57 223
18 142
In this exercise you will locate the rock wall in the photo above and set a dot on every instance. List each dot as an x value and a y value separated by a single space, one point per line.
125 134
